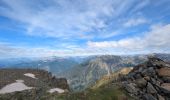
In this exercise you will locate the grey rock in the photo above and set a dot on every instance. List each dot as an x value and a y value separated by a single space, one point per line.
151 89
153 81
137 76
148 72
131 88
149 97
141 82
160 97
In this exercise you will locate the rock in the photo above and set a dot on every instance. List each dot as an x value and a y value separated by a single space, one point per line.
156 62
137 76
153 81
131 76
165 87
164 72
147 78
166 79
130 88
149 97
148 72
141 82
150 80
160 97
161 64
151 89
140 69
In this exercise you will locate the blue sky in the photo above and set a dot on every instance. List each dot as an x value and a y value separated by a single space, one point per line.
40 28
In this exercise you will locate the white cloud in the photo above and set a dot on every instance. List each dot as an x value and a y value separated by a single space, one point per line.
156 40
63 18
135 22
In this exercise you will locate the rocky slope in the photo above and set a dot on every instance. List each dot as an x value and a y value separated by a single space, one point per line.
149 81
29 84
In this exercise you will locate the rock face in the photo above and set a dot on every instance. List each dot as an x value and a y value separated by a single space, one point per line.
149 81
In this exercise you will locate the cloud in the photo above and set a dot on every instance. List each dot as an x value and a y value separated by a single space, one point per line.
135 22
103 24
157 39
63 18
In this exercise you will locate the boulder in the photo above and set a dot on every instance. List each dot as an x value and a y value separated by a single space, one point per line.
164 72
151 89
130 88
141 82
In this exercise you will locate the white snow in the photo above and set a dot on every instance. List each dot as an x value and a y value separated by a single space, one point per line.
56 90
20 81
13 87
30 75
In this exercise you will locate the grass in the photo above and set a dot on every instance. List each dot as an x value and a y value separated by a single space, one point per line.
107 92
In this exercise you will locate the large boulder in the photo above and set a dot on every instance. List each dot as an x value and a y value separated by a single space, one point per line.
164 72
141 82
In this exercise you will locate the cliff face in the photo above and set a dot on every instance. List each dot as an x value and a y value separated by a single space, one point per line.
149 81
29 84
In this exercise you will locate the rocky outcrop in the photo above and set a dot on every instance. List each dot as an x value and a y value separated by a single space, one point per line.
149 81
43 82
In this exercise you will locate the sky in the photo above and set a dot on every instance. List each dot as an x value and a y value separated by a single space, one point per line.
42 28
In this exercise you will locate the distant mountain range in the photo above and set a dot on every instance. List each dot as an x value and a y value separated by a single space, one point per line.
81 72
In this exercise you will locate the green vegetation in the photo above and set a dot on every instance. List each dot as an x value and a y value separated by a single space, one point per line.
107 92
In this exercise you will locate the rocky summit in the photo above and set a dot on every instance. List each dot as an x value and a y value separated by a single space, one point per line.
149 81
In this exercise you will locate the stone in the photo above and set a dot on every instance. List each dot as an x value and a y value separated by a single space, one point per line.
140 69
149 97
141 82
160 97
153 81
161 64
151 89
164 72
148 72
166 79
165 87
147 78
130 88
137 76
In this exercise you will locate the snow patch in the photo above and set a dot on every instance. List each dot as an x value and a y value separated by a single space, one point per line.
56 90
13 87
20 81
30 75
